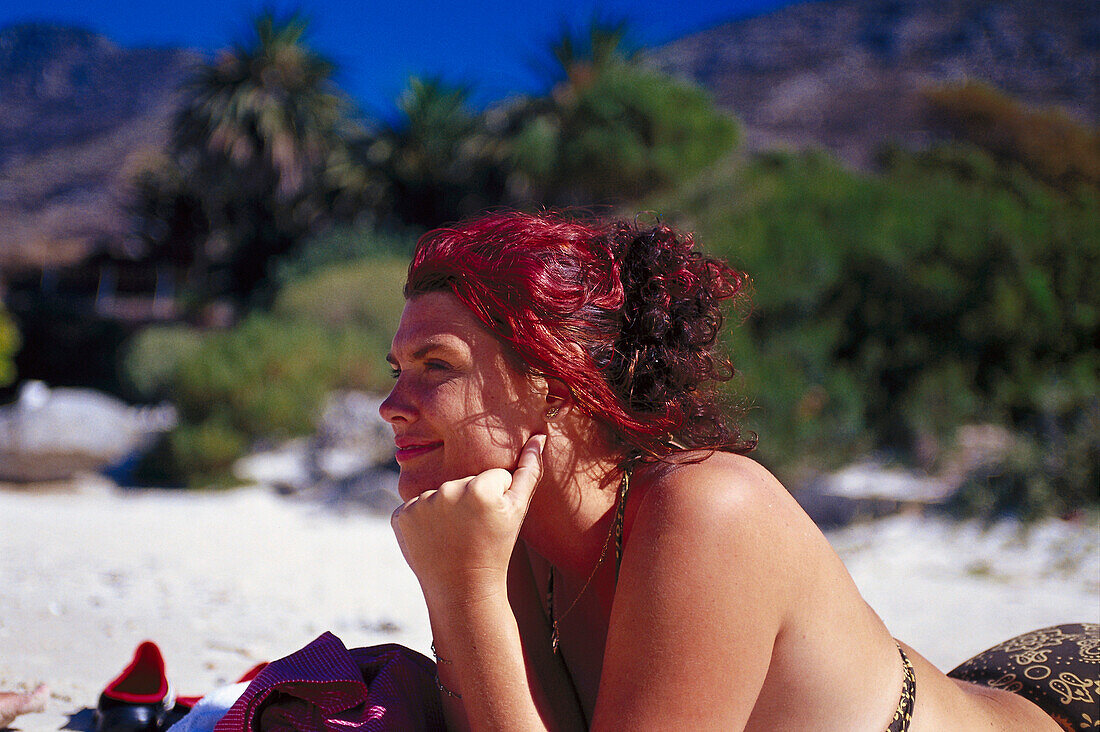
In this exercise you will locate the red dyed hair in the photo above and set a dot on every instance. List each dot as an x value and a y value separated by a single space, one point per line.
627 318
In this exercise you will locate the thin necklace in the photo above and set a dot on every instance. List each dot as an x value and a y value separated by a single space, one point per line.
616 529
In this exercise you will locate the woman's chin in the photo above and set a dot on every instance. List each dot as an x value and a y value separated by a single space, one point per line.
412 481
409 487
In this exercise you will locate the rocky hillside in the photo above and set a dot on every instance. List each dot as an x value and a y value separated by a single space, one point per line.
847 74
76 111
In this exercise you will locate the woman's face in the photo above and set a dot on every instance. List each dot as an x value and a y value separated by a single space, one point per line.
458 407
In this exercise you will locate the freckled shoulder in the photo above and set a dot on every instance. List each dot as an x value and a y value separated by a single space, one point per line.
725 501
710 572
713 491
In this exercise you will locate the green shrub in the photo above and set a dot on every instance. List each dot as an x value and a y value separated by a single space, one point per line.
365 294
265 379
953 288
203 453
787 221
150 358
270 374
1051 145
9 346
343 245
1055 474
622 133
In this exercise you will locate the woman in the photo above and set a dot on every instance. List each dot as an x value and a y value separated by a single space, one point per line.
593 545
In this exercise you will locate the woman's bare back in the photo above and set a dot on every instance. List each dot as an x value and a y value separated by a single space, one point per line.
822 657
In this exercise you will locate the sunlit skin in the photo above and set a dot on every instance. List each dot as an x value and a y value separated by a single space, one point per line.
457 407
14 703
730 611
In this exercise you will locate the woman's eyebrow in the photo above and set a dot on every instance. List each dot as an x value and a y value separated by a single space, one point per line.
424 350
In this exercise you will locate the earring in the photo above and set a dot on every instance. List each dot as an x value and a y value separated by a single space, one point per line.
552 412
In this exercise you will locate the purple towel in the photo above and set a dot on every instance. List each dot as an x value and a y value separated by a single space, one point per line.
326 687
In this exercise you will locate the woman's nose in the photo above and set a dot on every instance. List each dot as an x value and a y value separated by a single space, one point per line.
396 407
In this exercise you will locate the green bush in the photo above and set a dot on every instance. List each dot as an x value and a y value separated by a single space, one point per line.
270 373
342 245
1047 142
9 346
150 358
265 379
203 453
953 288
365 294
624 132
1056 473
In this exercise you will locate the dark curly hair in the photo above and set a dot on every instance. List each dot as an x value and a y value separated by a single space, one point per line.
628 318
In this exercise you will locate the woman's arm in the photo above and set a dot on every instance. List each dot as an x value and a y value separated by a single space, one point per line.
548 682
481 638
460 541
700 601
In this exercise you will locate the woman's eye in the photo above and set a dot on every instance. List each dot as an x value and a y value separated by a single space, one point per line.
436 366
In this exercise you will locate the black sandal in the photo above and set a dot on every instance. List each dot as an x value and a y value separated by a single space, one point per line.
138 699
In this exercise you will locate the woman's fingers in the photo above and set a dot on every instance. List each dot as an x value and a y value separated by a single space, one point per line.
464 532
527 474
487 488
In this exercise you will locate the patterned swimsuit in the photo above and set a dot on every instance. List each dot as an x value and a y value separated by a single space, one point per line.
1056 668
904 712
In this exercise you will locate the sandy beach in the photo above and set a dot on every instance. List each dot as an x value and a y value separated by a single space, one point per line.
223 580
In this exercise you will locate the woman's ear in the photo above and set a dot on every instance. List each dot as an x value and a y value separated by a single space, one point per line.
559 400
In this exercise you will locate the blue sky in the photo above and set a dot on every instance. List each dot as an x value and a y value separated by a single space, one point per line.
378 45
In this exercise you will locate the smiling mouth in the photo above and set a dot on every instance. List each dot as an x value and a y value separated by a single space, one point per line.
410 452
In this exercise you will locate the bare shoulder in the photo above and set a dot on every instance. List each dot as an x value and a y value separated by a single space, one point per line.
718 476
735 520
709 572
721 494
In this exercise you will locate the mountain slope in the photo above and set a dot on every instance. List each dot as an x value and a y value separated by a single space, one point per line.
75 111
78 113
847 74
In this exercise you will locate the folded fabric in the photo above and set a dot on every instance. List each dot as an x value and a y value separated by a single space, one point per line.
210 709
185 703
324 686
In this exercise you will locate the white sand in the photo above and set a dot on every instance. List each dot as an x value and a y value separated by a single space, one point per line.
224 580
220 581
952 590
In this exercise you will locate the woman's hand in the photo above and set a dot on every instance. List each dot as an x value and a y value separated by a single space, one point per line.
458 539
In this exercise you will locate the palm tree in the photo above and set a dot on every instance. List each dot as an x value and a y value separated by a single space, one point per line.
439 160
262 136
581 56
611 130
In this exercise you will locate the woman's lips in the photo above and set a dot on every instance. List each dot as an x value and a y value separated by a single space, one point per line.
409 452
